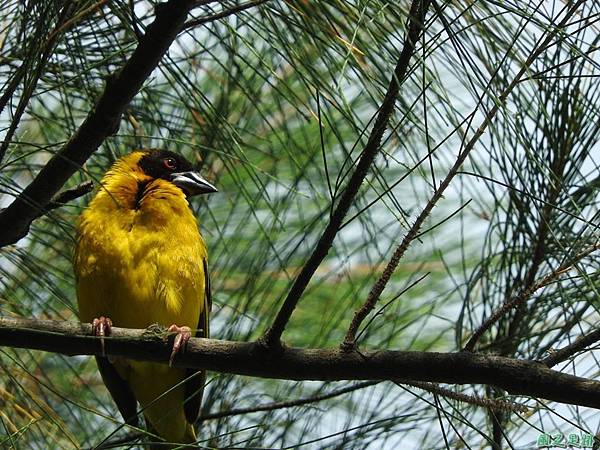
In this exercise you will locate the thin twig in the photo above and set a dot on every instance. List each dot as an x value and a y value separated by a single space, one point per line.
495 404
565 353
64 197
132 437
225 13
384 307
129 438
288 404
414 26
73 20
524 295
349 342
34 73
68 195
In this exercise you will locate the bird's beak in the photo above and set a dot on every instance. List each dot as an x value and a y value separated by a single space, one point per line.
192 183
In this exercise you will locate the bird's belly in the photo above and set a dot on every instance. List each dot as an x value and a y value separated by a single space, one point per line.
140 284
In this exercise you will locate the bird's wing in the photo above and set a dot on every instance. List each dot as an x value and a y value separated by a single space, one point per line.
194 385
119 389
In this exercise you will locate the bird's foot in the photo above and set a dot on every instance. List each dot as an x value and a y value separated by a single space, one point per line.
102 327
181 339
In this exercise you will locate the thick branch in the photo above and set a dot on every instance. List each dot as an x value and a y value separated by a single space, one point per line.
515 376
415 25
101 122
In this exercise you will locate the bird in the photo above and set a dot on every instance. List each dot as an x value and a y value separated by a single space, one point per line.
140 260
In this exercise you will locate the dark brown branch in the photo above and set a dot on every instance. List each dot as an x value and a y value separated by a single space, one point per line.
414 26
101 122
349 342
524 295
225 13
244 358
558 356
67 195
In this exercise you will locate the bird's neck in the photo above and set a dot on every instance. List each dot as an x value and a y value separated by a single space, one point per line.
136 198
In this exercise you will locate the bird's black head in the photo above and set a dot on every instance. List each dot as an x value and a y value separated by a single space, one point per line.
163 163
176 169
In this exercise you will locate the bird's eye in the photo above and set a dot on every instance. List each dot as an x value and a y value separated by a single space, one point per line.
170 163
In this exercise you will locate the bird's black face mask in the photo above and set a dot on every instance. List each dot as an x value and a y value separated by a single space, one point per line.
176 169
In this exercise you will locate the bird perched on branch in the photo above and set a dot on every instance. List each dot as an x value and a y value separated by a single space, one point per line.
140 260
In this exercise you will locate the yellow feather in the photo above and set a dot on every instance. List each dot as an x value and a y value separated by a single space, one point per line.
140 262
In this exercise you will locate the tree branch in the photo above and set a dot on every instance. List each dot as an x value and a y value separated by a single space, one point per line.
485 402
243 358
101 122
558 356
525 294
221 15
414 26
66 196
289 404
349 342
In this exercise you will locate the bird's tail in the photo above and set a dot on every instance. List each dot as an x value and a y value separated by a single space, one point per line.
188 441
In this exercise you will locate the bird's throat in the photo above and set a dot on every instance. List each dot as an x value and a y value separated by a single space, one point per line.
142 185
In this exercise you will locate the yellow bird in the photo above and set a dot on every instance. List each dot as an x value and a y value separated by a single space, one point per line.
140 260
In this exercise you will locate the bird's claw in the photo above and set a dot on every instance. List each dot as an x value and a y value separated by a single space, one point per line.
181 339
102 327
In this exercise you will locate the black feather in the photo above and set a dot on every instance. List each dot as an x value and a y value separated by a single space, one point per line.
153 164
119 390
194 385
